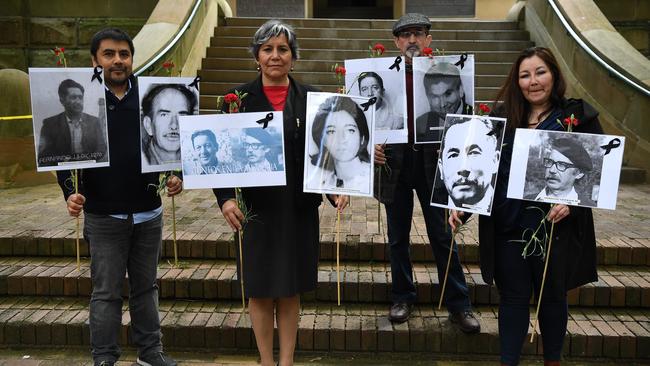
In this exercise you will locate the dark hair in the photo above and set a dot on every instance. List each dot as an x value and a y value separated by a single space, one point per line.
69 83
430 79
370 74
207 133
335 104
110 33
274 28
494 130
147 101
515 106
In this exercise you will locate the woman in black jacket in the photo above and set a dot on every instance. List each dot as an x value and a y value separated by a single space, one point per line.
280 243
533 97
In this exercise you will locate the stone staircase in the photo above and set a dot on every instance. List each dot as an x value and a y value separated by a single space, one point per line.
324 42
44 298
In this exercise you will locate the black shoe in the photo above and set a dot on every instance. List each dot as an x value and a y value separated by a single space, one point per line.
400 312
104 363
465 321
156 359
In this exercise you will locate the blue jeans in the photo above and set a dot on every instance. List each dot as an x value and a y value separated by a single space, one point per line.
117 247
399 215
517 279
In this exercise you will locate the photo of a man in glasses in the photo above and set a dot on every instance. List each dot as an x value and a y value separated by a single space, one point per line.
565 166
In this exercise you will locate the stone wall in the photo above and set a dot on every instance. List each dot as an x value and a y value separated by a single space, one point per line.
279 9
29 29
631 18
442 8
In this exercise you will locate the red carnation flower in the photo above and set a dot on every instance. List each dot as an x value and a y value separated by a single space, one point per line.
58 62
484 108
56 51
427 51
379 49
167 65
571 121
62 49
340 70
231 98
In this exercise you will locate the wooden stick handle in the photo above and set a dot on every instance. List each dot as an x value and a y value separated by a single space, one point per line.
541 289
174 232
338 268
444 283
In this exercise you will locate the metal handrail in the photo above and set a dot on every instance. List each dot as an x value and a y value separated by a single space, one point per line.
591 53
173 41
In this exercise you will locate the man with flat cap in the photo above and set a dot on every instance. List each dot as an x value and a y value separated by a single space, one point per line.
445 94
413 168
565 166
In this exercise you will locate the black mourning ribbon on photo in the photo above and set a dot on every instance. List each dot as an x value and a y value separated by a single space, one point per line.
398 60
97 74
265 121
612 144
195 83
339 183
461 61
370 102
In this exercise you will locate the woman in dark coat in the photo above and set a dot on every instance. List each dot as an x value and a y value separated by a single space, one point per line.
533 97
280 243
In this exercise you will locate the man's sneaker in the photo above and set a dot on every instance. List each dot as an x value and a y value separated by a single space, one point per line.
104 363
400 312
466 321
156 359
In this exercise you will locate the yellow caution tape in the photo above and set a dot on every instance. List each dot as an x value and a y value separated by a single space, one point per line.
8 118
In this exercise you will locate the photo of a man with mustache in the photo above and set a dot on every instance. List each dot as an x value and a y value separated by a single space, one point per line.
565 165
161 107
468 162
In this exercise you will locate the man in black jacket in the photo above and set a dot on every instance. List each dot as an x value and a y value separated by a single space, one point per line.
412 167
123 217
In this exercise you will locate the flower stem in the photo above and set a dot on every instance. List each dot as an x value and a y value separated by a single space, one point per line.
338 268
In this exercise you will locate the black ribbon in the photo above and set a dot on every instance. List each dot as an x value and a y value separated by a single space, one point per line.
97 74
370 102
398 60
612 144
265 121
195 83
462 60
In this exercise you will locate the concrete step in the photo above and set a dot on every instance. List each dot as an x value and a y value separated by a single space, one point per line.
248 63
315 78
214 89
362 44
436 24
632 175
54 322
360 282
339 55
355 33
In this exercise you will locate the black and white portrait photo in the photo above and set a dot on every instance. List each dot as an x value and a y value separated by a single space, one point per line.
468 163
441 85
232 150
162 101
69 114
569 168
338 145
373 77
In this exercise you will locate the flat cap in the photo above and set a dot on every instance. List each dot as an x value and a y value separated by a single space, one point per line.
574 151
411 20
260 135
444 69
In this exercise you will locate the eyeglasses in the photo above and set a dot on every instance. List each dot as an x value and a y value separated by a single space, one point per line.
408 34
254 147
560 165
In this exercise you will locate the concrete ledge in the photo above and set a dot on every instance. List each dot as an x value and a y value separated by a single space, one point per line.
623 109
165 23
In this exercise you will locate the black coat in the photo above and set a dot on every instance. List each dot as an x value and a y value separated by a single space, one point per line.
573 255
55 141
